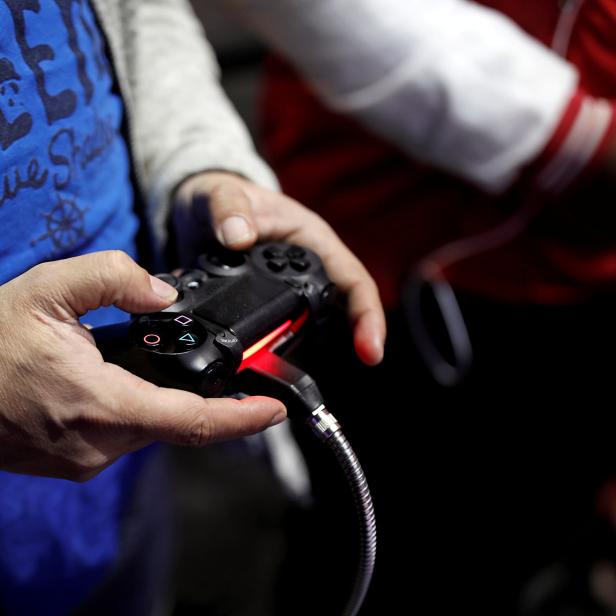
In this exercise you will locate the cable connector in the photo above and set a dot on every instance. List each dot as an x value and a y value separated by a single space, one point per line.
268 374
323 423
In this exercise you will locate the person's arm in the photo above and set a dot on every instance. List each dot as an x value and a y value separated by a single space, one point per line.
181 121
449 81
188 141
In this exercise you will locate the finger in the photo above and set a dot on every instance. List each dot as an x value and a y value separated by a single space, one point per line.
298 225
71 287
232 215
183 418
363 305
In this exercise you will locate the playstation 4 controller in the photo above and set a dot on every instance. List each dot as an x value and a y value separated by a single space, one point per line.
228 306
234 313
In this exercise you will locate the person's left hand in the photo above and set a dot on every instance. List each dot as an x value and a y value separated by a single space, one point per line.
241 213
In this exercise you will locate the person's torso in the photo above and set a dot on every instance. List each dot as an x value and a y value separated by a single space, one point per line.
65 189
64 167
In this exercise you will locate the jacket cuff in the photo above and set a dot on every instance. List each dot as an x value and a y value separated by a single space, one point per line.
579 144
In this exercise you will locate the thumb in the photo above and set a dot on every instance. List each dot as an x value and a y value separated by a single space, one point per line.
232 216
181 417
73 286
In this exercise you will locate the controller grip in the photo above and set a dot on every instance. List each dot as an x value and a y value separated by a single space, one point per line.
204 374
117 347
113 342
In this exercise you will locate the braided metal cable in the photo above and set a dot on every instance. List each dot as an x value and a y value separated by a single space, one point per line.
366 520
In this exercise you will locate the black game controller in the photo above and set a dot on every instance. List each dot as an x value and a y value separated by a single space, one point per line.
234 314
229 306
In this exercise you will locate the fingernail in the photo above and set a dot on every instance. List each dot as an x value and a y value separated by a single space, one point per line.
277 419
235 230
379 349
162 289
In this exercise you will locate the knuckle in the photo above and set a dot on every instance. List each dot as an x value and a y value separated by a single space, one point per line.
117 261
34 289
113 267
228 196
39 276
200 430
40 271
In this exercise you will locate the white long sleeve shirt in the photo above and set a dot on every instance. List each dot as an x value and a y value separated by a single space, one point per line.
451 82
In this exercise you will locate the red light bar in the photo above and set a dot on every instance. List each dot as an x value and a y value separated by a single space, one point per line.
257 346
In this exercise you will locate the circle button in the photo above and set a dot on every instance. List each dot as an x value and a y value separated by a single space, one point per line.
152 340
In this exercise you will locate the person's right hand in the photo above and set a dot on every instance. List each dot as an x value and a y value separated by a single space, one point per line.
64 412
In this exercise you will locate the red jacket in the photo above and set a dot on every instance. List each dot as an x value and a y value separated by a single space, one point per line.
393 211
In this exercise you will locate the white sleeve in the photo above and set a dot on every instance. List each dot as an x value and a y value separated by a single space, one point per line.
449 81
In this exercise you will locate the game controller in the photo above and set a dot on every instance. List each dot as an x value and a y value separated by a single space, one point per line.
235 314
229 306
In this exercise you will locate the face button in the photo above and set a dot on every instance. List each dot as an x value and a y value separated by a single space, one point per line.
188 339
300 265
183 320
295 252
151 340
276 265
273 253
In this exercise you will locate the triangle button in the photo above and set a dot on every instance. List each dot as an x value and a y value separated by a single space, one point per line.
188 338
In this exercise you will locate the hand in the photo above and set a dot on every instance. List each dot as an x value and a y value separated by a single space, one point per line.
64 412
240 213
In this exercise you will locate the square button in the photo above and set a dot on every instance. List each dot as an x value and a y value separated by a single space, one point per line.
183 320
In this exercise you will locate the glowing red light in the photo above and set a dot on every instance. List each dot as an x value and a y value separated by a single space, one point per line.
265 341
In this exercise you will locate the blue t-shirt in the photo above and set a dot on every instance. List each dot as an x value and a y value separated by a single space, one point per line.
64 190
